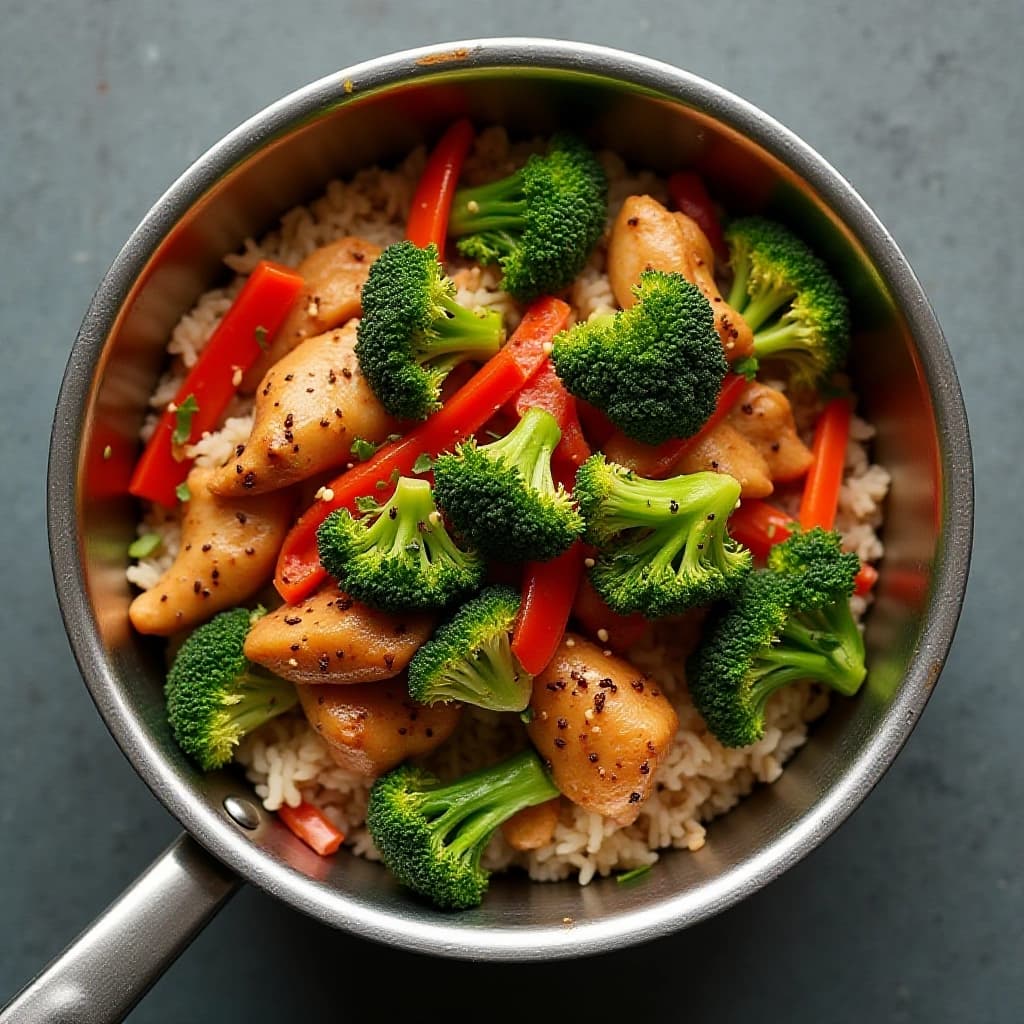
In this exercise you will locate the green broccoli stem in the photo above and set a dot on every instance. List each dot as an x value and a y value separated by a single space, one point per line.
837 621
466 812
782 337
671 507
496 206
488 676
460 332
529 447
765 303
828 645
410 522
257 697
738 295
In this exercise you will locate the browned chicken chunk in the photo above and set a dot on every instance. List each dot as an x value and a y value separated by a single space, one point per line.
334 275
602 726
372 727
764 417
646 236
309 408
532 827
228 550
725 450
330 638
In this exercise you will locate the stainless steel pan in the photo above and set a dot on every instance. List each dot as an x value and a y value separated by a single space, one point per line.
657 116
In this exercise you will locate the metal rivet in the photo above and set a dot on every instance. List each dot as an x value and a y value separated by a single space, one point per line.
242 812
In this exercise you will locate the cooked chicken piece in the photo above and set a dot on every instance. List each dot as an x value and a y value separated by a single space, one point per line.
334 275
330 638
725 450
532 827
765 418
602 726
372 727
228 550
646 236
309 408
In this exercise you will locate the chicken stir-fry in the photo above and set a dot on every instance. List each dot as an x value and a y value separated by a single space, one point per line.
495 528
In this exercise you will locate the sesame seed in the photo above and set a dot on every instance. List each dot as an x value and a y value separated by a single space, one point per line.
293 663
602 635
589 563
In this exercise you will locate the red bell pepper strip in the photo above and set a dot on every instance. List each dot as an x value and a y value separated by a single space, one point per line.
547 392
619 632
549 589
689 196
298 566
597 428
657 461
758 525
824 478
251 322
432 201
313 827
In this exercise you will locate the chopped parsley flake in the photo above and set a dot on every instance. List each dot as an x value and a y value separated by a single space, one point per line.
363 449
182 492
423 464
183 420
261 337
367 503
145 545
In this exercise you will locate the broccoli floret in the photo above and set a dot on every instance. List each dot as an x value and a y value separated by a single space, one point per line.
215 695
663 544
794 306
431 835
655 369
470 657
790 622
399 555
540 223
502 497
413 333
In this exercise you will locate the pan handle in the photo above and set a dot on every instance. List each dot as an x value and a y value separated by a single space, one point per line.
115 961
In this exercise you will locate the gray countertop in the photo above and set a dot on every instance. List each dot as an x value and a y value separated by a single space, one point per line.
914 910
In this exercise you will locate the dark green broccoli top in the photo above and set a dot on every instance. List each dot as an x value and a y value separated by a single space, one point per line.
502 497
539 224
431 835
663 544
215 695
794 306
413 333
790 622
655 369
470 657
399 555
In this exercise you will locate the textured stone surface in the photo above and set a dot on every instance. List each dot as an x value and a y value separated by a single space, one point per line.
912 912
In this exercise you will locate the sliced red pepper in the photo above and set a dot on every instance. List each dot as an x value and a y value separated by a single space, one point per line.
313 827
547 392
758 525
251 323
432 200
298 566
690 196
656 461
825 477
618 632
549 589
